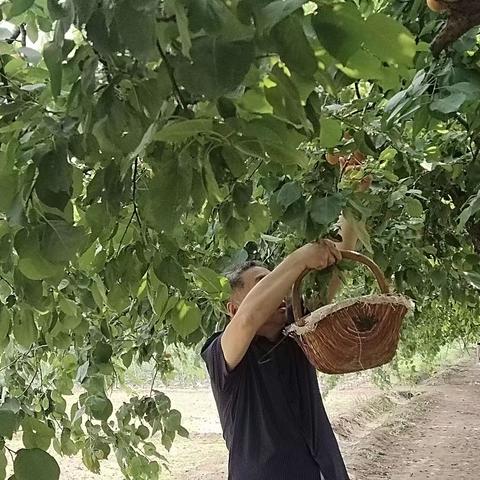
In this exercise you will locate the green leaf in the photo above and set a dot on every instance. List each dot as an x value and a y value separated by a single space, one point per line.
37 268
293 46
330 132
143 432
217 68
449 104
18 7
181 130
260 218
413 207
84 10
211 282
173 420
185 318
286 102
325 210
5 323
52 54
137 29
389 40
3 463
24 328
54 181
341 29
242 194
160 301
8 187
170 273
473 278
67 306
102 352
36 434
288 194
8 423
56 9
61 241
35 464
216 18
275 12
182 24
214 194
167 197
105 38
471 210
99 406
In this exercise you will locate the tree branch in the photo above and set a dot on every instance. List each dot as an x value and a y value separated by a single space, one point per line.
462 16
357 91
134 201
157 368
178 93
31 382
7 282
23 31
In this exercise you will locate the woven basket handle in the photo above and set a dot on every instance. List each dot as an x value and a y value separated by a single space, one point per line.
350 255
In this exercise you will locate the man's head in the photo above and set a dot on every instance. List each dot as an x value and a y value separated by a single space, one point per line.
242 279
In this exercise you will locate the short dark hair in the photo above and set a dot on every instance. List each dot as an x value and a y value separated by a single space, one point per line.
234 274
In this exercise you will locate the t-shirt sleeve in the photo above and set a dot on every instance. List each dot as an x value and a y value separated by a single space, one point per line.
221 376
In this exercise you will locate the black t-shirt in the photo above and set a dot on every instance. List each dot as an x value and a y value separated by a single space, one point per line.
272 415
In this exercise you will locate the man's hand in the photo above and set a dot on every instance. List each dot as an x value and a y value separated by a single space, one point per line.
317 255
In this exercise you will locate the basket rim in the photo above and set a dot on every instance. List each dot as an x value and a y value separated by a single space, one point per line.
319 314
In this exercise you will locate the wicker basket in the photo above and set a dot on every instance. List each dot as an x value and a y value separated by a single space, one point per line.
354 334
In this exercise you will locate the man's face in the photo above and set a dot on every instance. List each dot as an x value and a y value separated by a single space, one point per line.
250 278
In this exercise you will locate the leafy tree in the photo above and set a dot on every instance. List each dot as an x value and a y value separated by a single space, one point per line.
145 145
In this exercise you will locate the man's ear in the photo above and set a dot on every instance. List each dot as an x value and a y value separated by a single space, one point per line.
232 309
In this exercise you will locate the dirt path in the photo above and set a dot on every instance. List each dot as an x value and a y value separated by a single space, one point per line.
436 435
430 433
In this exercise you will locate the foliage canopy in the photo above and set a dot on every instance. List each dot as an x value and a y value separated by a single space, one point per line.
146 145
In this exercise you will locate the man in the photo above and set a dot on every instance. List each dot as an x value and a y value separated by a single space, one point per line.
266 391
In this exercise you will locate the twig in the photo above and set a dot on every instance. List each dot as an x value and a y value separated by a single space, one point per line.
171 18
11 452
7 282
176 88
125 231
462 121
134 192
23 355
135 208
154 378
31 382
23 31
357 91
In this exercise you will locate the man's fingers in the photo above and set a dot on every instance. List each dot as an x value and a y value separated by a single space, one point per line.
337 254
334 251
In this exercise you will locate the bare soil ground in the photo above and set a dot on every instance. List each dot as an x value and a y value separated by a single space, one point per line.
430 432
435 435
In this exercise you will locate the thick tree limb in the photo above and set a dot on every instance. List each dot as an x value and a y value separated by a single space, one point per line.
462 16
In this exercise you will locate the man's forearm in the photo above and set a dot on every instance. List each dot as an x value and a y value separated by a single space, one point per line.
256 308
269 293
